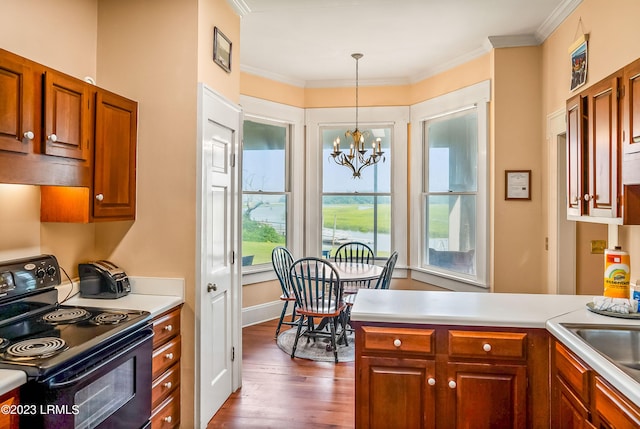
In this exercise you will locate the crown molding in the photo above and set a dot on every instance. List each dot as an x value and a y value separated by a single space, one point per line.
272 76
450 64
513 41
556 18
240 7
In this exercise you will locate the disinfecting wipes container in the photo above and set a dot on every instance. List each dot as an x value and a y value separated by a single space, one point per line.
616 273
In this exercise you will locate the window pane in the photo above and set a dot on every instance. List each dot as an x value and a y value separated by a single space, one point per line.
264 226
356 218
338 178
263 157
453 153
451 232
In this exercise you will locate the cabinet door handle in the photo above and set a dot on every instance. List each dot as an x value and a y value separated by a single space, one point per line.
452 384
397 342
29 135
588 197
169 356
99 197
431 381
167 419
53 138
168 328
486 347
168 385
212 287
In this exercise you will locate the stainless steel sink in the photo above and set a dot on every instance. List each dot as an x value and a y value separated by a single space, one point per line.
618 343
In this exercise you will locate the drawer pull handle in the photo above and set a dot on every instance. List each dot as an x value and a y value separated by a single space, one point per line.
452 384
168 385
167 419
29 135
397 343
486 347
431 381
168 328
169 356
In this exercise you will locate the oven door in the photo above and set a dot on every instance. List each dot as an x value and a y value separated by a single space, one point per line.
113 391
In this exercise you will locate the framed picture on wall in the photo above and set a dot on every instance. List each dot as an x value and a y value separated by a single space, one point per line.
578 52
517 184
221 50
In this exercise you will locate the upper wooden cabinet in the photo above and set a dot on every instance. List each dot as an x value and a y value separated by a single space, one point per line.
603 161
114 181
112 194
76 140
67 116
17 117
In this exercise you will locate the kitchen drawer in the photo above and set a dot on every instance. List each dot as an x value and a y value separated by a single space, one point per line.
487 345
572 371
167 414
166 326
165 384
398 339
165 356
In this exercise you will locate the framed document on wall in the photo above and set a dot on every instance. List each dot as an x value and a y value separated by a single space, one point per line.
221 50
517 185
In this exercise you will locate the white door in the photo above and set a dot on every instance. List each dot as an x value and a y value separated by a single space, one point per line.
217 291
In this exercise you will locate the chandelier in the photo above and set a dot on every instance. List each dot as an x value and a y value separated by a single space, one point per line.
357 158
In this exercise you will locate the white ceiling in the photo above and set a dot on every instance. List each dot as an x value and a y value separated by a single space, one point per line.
310 42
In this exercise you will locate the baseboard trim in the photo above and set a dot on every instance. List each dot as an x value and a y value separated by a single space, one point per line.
262 312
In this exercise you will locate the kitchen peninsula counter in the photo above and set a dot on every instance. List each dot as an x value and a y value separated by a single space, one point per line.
550 312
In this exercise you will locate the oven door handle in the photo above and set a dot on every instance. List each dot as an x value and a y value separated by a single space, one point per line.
102 364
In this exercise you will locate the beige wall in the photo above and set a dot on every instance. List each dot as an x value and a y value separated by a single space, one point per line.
517 230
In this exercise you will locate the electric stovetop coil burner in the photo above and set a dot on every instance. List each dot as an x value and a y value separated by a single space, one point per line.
35 348
110 318
66 315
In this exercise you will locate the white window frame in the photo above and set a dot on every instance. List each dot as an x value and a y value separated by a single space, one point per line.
478 95
397 118
256 109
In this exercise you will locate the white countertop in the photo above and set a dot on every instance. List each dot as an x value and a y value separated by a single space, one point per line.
462 308
155 295
499 310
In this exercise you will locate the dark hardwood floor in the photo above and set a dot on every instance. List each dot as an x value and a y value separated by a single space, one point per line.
280 392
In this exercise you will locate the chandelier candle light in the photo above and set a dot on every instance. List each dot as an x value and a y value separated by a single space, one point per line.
357 158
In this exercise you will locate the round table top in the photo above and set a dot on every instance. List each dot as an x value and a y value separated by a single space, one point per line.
350 271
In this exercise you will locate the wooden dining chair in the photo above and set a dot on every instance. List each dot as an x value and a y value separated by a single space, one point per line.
354 251
318 291
357 252
282 260
384 281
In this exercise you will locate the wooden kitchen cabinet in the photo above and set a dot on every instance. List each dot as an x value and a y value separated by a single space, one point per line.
37 103
165 393
445 377
603 150
112 195
10 420
593 152
576 180
582 399
67 116
17 116
396 378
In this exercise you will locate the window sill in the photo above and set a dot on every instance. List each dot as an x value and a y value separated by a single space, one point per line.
447 281
258 274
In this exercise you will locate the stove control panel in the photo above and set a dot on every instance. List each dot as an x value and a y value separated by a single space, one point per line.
20 276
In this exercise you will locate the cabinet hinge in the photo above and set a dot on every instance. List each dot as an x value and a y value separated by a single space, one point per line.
233 354
233 257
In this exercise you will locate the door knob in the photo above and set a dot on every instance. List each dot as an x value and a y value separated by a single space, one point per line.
212 287
29 135
53 138
99 197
